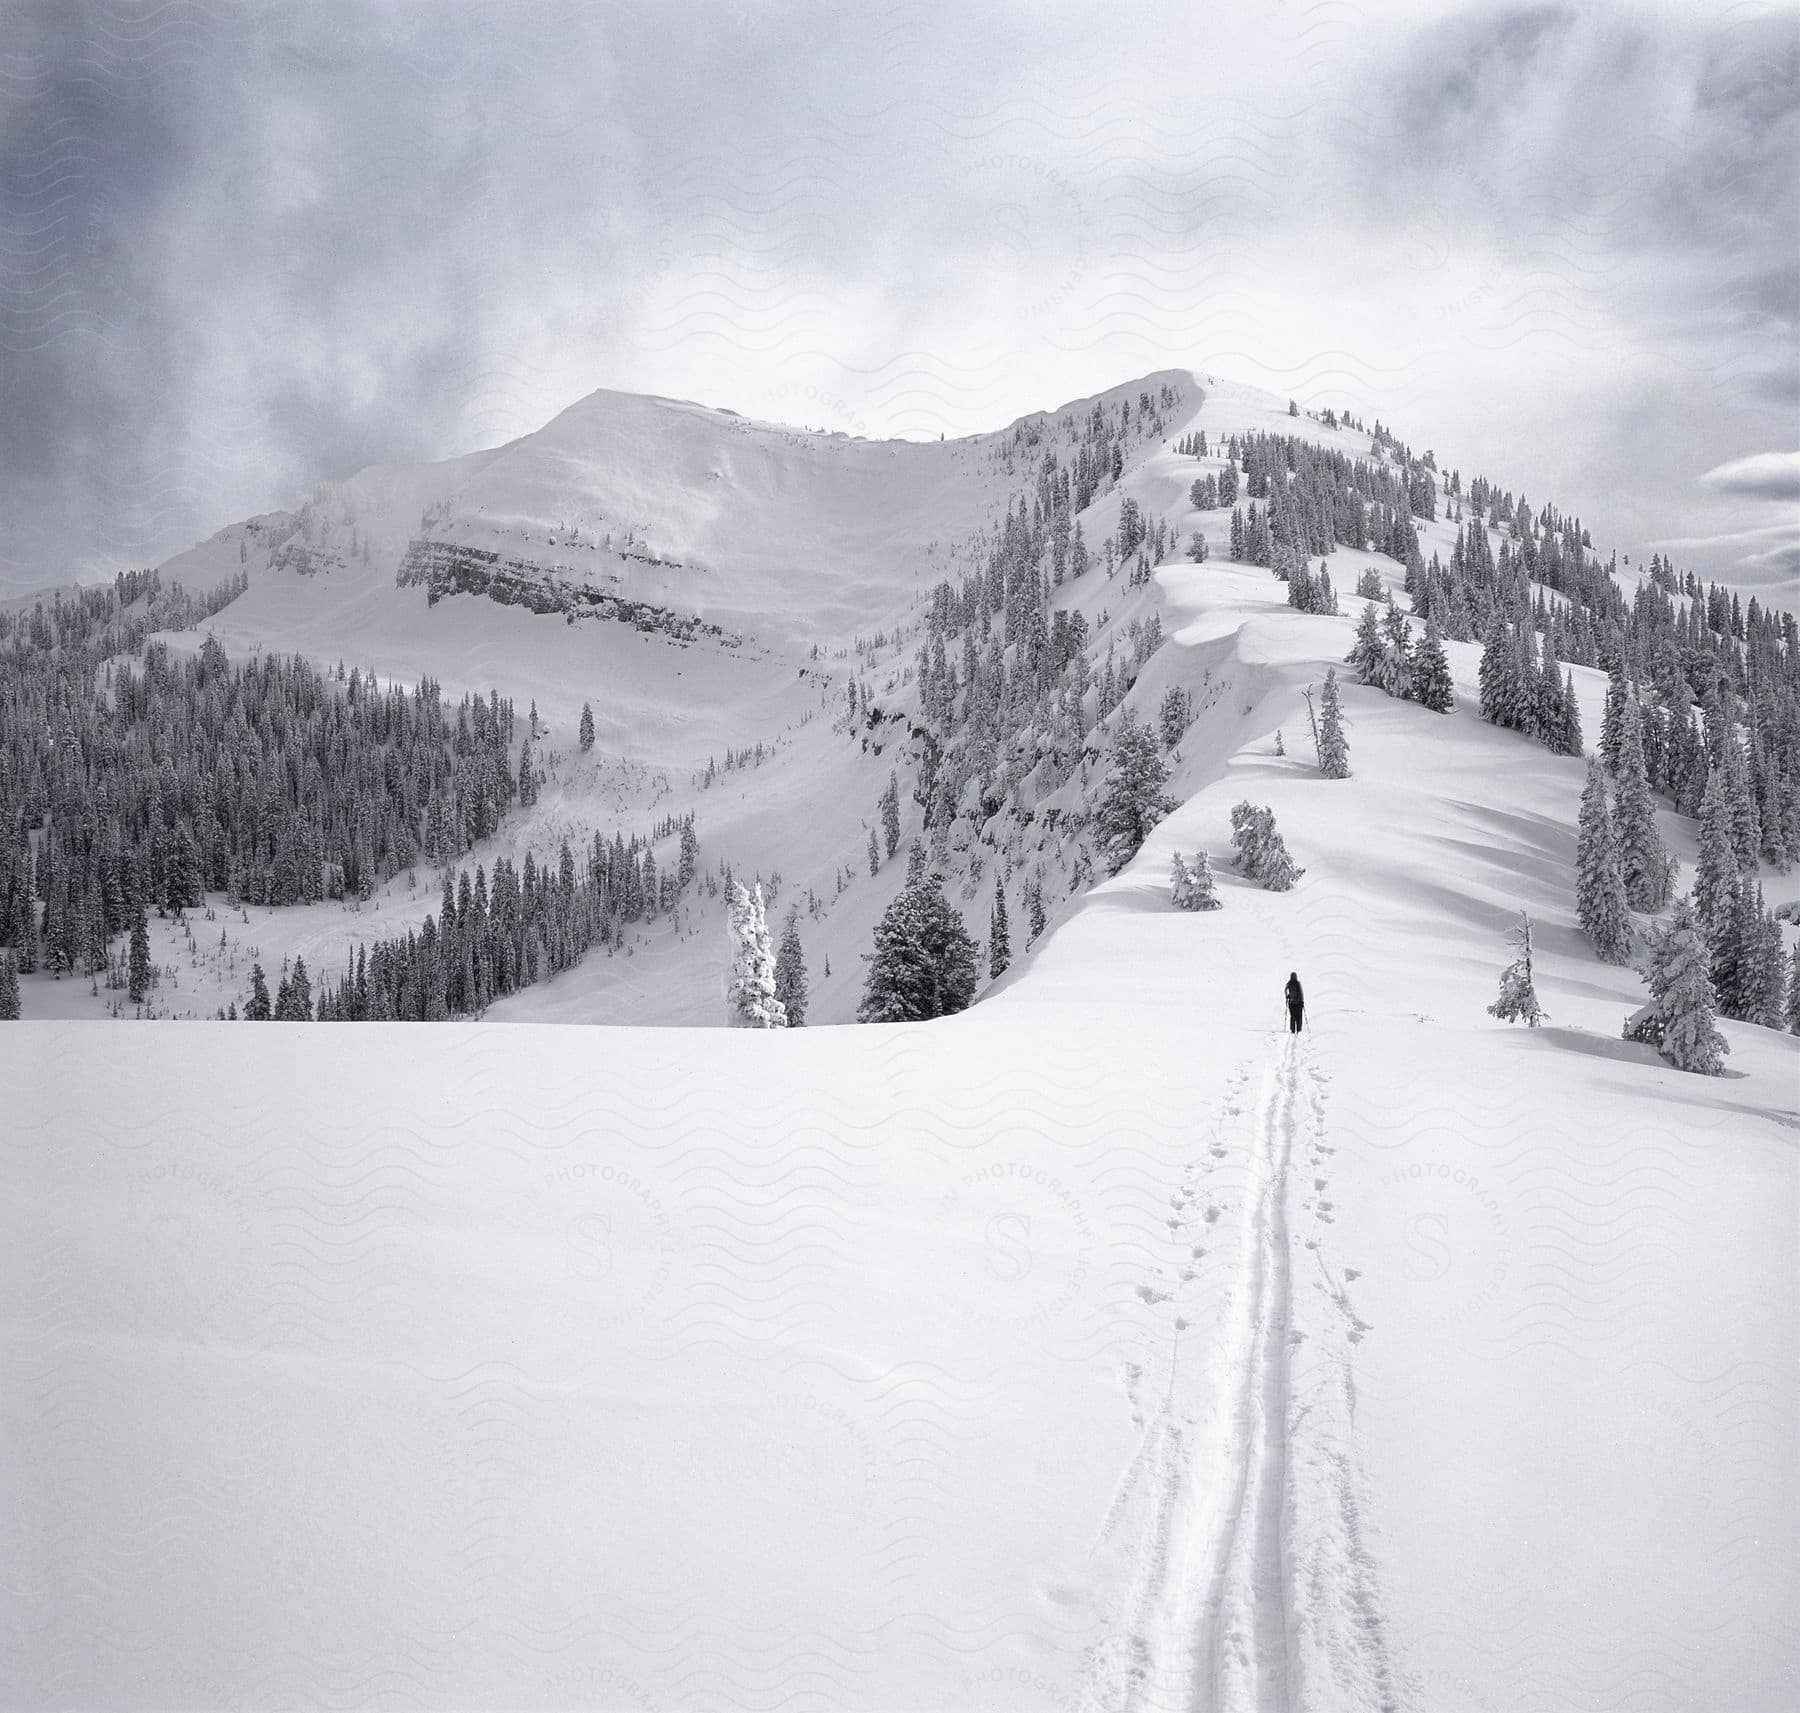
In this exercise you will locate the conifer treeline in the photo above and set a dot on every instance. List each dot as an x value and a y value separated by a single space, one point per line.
150 783
1715 679
486 943
1315 498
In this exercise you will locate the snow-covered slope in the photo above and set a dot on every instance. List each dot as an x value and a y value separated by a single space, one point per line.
1101 1347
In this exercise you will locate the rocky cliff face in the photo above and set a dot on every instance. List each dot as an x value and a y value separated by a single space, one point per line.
453 568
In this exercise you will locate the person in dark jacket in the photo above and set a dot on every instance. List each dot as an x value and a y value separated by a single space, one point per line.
1296 1003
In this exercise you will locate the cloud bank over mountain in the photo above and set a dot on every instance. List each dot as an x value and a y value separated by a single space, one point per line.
243 251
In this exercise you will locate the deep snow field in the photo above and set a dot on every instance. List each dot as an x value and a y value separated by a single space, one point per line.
1102 1347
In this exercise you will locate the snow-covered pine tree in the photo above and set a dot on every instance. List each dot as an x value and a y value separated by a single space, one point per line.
587 728
138 972
874 853
1191 886
1765 968
1262 853
257 1009
1730 939
1746 823
1396 653
790 971
1715 874
1649 870
1248 832
1433 687
1133 800
1365 656
1180 885
527 776
1522 681
924 963
1496 657
1571 742
1518 998
999 934
1612 721
1334 748
751 999
1034 904
1279 871
1552 722
1600 901
23 933
1792 1013
1680 1020
9 989
1173 715
890 813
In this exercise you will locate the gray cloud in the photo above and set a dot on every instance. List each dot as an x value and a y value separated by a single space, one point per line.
1761 476
243 250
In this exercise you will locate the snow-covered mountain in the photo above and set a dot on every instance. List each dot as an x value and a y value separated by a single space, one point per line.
707 585
1104 1346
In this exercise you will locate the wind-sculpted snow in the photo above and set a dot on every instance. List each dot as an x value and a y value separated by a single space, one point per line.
701 1393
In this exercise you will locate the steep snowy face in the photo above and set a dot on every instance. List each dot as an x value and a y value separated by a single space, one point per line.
673 517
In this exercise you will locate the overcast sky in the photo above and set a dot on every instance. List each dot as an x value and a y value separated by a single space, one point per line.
246 248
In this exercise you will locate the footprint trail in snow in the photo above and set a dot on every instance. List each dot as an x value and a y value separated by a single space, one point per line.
1235 1533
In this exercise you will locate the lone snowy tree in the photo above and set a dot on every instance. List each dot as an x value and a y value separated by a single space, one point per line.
587 728
1173 715
924 962
1191 886
1334 748
790 971
1793 993
1680 1020
751 996
9 989
1262 853
1134 800
874 853
257 1008
1518 998
1600 901
527 776
137 969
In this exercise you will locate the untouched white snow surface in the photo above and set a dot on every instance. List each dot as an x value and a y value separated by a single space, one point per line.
1103 1347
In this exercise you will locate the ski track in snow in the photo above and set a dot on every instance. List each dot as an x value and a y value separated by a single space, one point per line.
1224 1562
